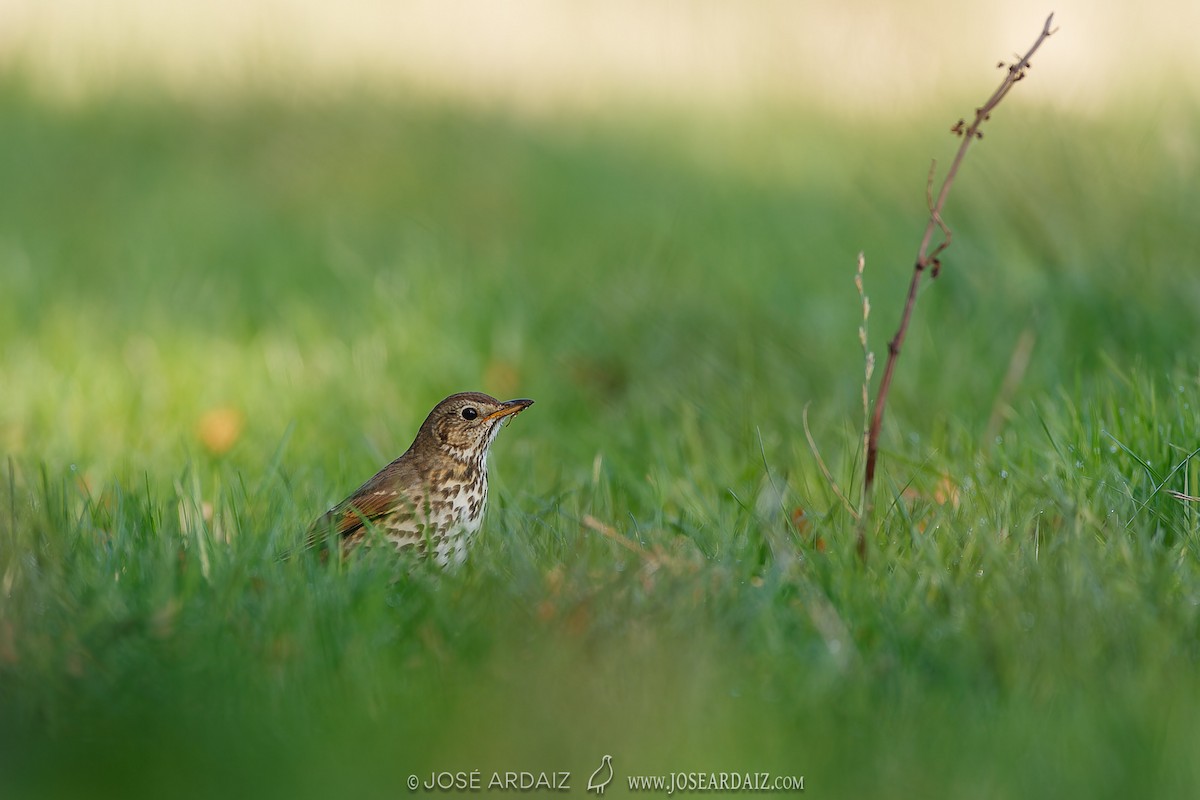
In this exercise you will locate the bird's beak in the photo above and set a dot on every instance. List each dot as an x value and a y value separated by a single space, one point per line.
510 408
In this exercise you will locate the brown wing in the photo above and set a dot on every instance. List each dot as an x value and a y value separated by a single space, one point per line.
351 514
376 498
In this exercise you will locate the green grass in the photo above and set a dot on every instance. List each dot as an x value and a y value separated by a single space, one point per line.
673 291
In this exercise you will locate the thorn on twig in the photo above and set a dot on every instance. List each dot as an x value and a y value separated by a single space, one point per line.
959 127
978 134
937 268
1000 65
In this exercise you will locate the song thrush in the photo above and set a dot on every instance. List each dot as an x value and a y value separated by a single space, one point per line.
432 497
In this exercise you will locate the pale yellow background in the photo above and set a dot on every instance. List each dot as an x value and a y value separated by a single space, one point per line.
856 57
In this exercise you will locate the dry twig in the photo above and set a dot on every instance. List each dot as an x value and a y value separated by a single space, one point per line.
611 533
812 445
927 259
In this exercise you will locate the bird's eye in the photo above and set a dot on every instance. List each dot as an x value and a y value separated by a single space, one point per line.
469 413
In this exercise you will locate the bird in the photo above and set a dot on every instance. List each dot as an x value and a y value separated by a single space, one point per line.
603 775
432 497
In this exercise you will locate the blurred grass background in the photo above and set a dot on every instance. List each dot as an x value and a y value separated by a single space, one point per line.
226 303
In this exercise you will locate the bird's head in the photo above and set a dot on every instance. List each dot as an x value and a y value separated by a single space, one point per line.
463 425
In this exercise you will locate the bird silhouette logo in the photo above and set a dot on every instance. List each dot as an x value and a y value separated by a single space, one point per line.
602 777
